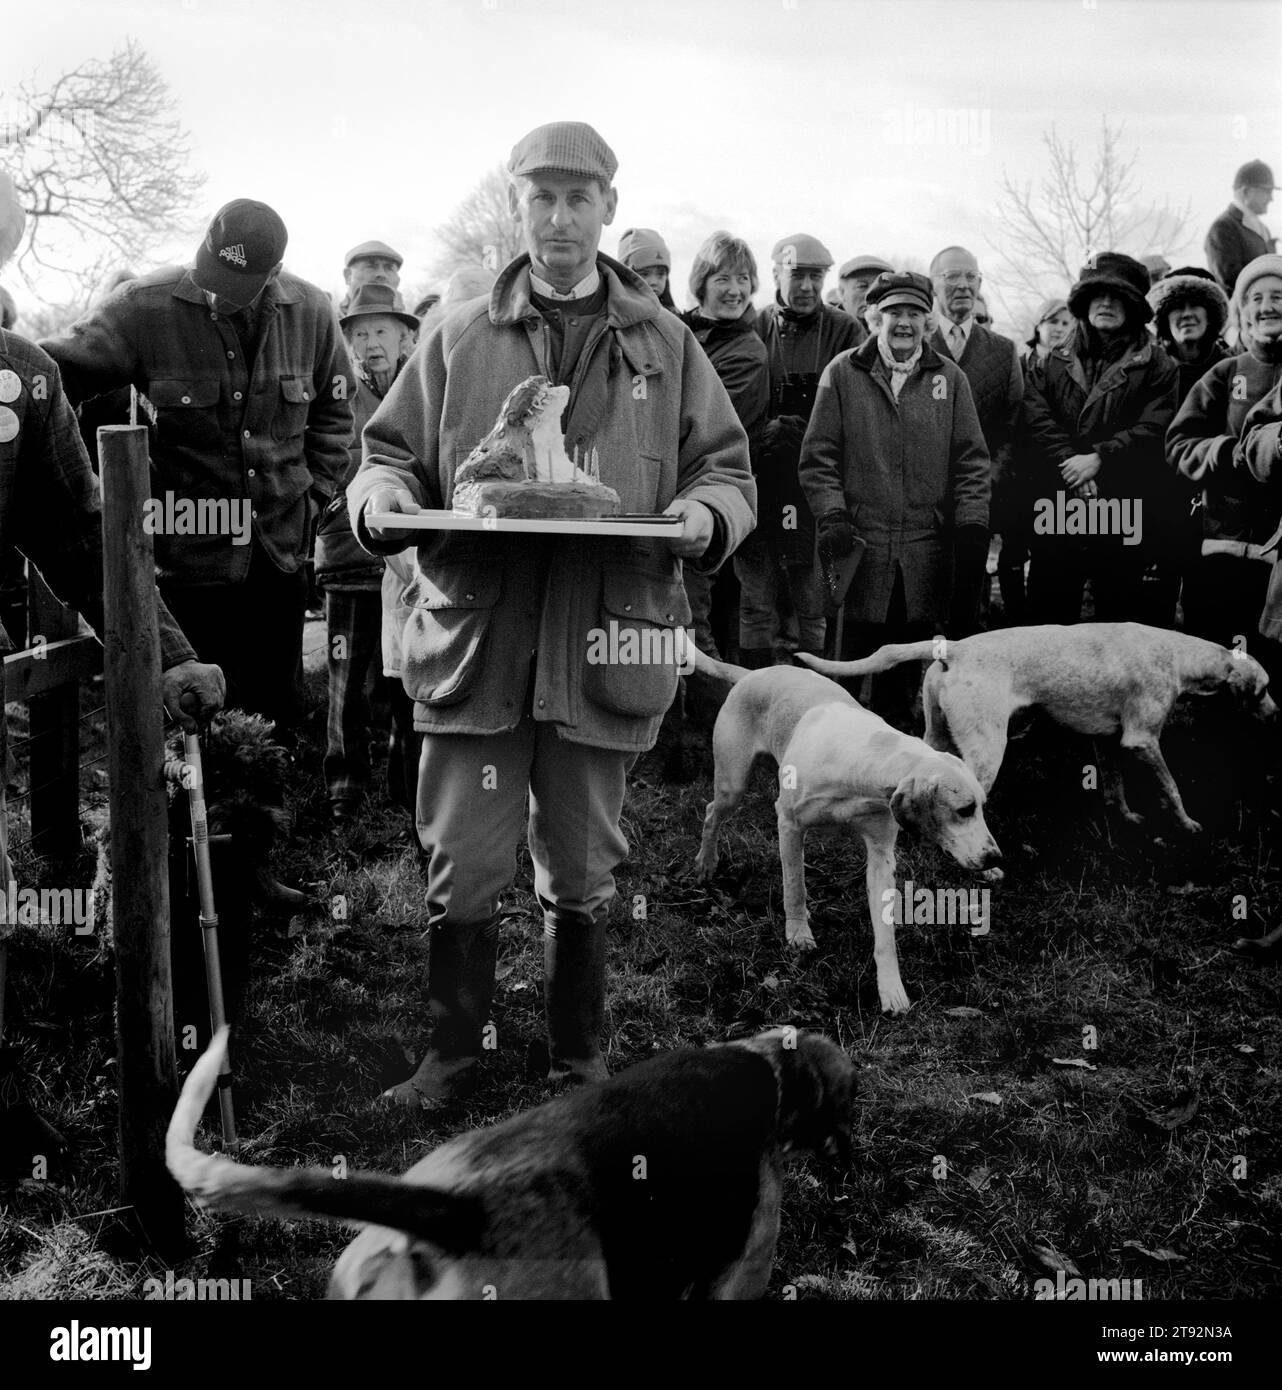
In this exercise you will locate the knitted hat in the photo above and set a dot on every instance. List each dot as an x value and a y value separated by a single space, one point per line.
801 250
1253 271
1110 270
640 248
564 147
1183 289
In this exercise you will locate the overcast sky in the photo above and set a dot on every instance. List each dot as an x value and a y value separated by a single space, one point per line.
767 117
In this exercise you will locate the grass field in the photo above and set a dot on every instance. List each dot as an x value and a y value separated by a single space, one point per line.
1093 1086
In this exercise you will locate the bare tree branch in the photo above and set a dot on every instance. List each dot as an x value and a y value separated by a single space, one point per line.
102 166
1044 238
481 230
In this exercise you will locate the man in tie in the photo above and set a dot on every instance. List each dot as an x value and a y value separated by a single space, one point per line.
991 366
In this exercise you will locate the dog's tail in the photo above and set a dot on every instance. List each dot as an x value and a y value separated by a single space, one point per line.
895 654
450 1221
720 671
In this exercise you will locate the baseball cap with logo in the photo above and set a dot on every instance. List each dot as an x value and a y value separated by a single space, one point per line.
244 243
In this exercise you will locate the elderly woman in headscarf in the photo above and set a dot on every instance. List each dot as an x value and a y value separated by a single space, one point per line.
1096 410
894 458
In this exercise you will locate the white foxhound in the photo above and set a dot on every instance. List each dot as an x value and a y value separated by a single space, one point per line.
839 764
1103 679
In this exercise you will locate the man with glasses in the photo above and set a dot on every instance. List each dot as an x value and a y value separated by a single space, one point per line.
1238 235
990 364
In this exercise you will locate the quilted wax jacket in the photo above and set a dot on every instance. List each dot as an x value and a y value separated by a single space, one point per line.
500 622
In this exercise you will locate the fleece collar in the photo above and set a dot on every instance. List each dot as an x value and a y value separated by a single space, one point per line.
628 298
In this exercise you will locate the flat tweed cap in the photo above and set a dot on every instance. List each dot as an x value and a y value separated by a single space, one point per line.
566 147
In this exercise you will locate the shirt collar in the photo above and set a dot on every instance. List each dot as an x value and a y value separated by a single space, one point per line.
587 286
947 325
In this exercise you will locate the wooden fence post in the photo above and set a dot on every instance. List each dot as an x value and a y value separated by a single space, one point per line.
55 736
139 841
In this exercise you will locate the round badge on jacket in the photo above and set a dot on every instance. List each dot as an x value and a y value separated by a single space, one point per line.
10 386
8 424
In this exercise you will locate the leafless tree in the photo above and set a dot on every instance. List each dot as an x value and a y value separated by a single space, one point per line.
1045 235
102 167
481 230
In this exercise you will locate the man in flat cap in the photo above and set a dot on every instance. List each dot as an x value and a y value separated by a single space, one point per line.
1239 234
370 263
781 606
252 390
499 646
854 278
992 367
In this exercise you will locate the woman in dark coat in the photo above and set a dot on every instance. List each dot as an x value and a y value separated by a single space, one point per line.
1189 314
894 457
1096 410
723 280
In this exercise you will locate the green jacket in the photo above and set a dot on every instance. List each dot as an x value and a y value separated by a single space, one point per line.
492 613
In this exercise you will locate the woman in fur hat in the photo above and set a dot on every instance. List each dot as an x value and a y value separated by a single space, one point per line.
1095 416
1189 312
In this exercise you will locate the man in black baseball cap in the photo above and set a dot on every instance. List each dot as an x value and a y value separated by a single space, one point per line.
243 249
1238 235
246 370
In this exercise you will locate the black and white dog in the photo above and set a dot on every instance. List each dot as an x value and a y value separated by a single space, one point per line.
662 1182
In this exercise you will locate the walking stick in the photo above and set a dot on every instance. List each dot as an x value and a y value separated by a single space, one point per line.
193 778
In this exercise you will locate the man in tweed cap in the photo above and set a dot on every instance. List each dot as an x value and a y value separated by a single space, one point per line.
498 648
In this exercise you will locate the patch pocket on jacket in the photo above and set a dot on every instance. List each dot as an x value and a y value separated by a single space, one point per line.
635 652
291 410
443 645
186 412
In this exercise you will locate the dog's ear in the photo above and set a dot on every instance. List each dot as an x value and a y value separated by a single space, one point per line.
911 799
816 1089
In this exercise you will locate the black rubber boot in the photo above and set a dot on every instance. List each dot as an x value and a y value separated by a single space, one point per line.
460 987
574 996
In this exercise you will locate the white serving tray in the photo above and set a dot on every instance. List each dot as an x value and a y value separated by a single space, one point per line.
632 525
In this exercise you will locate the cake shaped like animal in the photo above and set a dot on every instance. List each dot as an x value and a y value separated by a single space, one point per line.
521 469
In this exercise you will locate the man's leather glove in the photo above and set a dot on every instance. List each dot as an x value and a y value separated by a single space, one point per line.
783 436
193 692
836 534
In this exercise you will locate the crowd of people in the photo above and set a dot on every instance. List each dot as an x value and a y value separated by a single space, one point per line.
850 468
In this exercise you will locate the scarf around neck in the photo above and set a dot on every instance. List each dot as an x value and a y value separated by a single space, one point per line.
899 371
